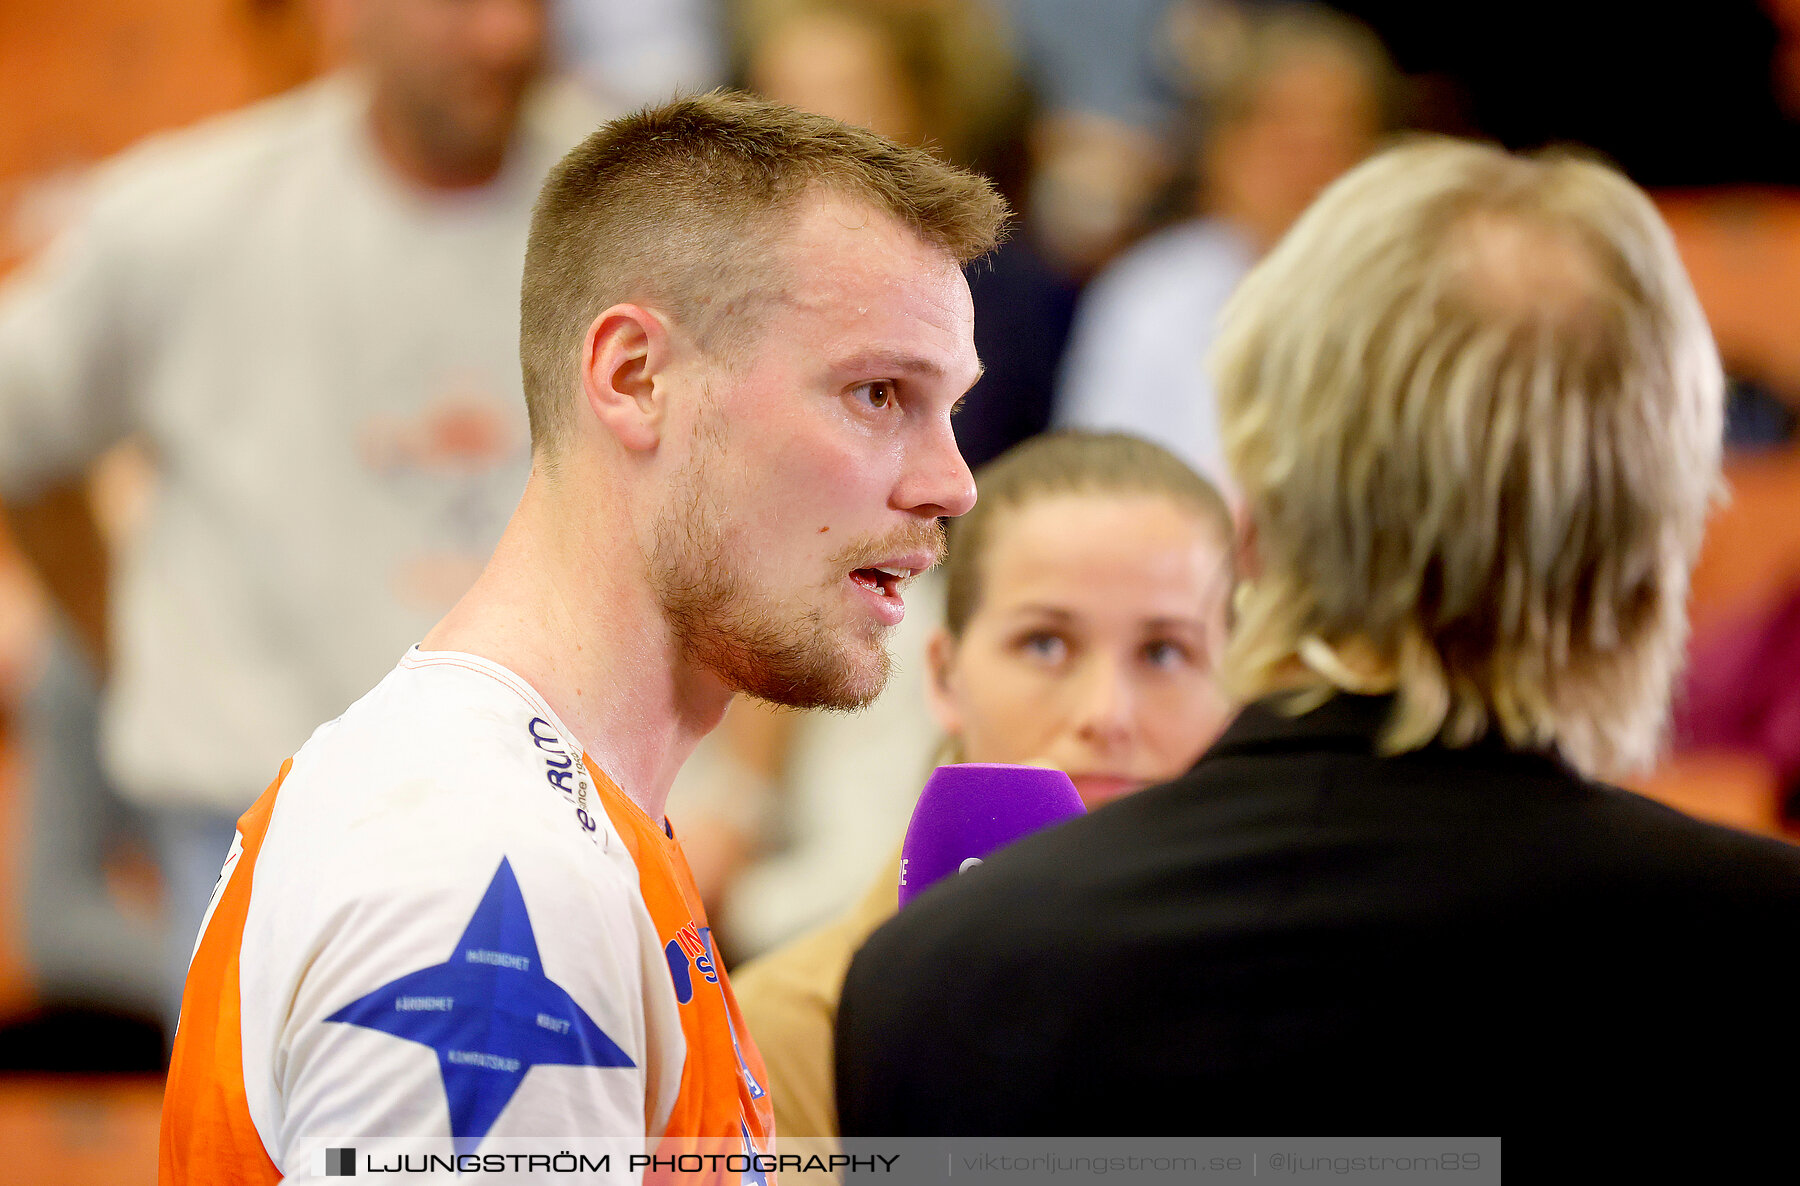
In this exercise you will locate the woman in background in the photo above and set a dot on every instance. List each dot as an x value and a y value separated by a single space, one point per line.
1086 602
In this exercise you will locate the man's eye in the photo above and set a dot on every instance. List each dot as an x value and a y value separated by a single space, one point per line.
878 394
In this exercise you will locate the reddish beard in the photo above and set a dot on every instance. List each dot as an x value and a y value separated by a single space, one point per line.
746 636
924 536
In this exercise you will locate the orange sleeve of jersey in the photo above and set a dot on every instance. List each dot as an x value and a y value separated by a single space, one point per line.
722 1098
207 1134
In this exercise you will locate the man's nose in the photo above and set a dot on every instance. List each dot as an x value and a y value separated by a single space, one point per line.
937 480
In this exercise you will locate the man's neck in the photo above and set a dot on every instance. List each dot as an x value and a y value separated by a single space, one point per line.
582 627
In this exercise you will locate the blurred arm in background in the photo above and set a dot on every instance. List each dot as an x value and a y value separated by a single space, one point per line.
64 397
58 535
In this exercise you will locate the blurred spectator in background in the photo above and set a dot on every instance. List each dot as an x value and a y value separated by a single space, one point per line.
940 72
1107 59
935 72
1302 98
1087 602
80 950
629 53
307 312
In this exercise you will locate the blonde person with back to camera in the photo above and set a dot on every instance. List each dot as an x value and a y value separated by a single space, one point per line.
1085 607
1474 412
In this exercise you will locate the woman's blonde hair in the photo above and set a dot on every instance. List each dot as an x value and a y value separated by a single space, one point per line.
1474 410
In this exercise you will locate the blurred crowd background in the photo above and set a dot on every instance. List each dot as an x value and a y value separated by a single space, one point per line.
1153 150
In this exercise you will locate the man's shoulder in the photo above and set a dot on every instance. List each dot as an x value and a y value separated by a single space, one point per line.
1557 822
236 154
1693 859
428 811
454 714
262 130
448 775
1511 816
448 751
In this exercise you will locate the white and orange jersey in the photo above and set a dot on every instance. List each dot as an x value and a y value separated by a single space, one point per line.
443 920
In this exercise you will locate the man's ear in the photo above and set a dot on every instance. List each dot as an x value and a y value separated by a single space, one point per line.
625 359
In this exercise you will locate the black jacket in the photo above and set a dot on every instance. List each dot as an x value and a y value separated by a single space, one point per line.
1300 935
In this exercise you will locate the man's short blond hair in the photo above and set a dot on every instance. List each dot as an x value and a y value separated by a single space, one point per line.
1475 412
682 206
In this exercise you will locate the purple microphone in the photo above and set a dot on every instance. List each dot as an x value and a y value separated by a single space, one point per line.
967 811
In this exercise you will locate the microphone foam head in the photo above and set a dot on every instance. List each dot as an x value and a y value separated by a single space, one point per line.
967 811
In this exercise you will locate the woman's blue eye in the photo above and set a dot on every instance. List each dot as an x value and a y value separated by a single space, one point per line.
1165 653
1044 646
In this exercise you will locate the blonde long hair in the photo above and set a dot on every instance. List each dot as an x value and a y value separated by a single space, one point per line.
1475 412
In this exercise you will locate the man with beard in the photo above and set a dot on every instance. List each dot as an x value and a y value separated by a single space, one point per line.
743 331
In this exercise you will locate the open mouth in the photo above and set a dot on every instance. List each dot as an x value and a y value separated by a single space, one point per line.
882 580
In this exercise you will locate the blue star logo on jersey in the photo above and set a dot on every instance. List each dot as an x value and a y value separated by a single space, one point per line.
489 1012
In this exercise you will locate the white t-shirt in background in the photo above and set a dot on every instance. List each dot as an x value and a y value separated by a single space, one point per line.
1136 360
322 362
